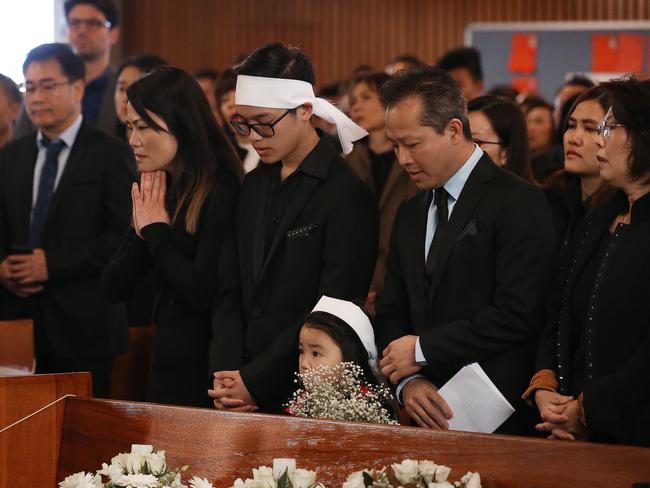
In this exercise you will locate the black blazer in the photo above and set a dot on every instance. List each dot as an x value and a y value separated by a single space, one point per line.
88 215
617 344
190 274
485 301
326 243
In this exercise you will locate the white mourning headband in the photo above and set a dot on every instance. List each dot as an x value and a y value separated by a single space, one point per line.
355 318
260 91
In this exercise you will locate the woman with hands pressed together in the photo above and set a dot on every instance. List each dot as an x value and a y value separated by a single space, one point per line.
592 380
182 219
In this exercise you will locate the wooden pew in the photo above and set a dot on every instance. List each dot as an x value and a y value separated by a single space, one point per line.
29 451
224 446
17 346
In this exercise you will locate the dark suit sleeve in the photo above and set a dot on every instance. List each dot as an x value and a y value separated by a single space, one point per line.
351 241
227 348
392 304
89 260
525 252
196 280
349 257
3 206
126 268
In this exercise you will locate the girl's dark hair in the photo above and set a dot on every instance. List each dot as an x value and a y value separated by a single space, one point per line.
352 349
204 153
630 102
509 124
144 62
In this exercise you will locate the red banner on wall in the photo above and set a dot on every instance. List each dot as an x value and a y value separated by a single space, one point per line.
523 53
617 53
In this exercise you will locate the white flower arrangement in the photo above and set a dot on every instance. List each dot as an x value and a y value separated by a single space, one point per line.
284 474
338 393
411 473
141 468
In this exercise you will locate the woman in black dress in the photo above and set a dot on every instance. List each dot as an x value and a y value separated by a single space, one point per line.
593 365
183 213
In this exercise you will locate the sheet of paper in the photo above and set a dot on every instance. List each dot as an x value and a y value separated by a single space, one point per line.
477 404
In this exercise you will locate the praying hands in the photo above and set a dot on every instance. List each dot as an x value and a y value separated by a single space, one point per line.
562 416
230 393
149 200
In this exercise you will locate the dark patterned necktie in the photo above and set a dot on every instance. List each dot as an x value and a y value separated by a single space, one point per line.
440 197
45 189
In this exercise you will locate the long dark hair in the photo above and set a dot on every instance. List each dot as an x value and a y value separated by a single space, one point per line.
352 349
509 124
204 153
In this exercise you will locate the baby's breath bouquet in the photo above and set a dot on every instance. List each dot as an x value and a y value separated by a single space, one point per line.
339 393
411 473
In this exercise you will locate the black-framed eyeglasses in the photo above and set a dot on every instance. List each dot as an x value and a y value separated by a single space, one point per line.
605 127
46 87
264 130
480 142
92 24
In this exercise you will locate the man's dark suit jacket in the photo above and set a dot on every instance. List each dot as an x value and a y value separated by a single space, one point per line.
491 277
87 218
326 243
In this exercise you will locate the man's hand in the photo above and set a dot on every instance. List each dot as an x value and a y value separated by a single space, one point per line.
399 359
10 282
28 269
424 404
230 393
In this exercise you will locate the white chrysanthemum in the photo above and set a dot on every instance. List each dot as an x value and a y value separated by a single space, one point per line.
442 473
355 480
197 482
471 480
302 478
137 481
406 471
82 480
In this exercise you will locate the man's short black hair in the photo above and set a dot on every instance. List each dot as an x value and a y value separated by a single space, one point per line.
72 65
440 95
107 7
409 59
463 57
277 60
10 89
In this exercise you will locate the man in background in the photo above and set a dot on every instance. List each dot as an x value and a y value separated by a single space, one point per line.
93 30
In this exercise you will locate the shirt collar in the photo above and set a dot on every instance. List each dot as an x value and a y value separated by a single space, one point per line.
456 183
68 136
316 163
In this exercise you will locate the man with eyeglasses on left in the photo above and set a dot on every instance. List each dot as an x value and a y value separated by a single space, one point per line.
93 29
64 207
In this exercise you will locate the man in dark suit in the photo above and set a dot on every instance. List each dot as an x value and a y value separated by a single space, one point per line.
469 260
64 207
93 29
306 226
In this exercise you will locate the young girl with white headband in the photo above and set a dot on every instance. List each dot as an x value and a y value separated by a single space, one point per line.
337 331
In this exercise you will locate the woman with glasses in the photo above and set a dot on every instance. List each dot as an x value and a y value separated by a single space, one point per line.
593 362
499 129
374 160
182 218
